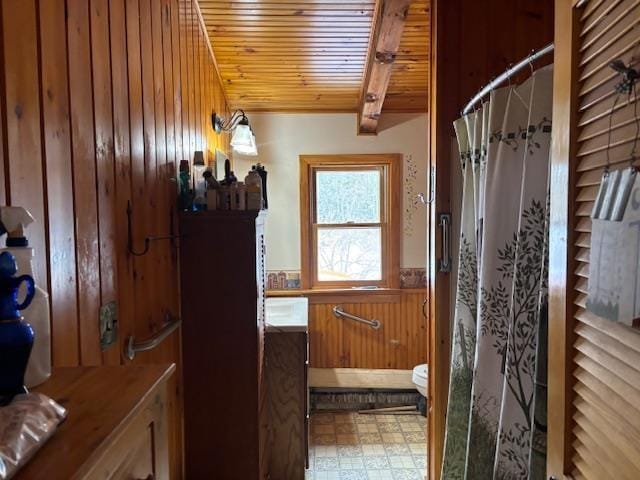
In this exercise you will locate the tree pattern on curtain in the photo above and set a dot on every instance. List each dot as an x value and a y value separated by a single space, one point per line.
491 401
516 417
538 452
502 206
464 335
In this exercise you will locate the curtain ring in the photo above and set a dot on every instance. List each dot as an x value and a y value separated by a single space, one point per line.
493 87
531 61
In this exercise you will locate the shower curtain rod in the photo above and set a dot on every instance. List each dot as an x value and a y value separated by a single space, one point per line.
506 75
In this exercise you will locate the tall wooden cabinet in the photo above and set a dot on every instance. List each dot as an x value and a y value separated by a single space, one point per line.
222 281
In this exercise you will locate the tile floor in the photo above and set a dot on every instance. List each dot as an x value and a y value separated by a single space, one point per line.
349 446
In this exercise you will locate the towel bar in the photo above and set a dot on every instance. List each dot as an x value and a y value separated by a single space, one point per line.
132 348
338 312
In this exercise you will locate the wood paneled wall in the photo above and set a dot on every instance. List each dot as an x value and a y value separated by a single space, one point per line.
472 42
100 101
400 343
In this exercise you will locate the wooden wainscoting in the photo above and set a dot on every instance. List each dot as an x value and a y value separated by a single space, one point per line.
400 343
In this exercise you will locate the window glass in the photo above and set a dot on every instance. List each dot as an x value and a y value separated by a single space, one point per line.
348 196
349 254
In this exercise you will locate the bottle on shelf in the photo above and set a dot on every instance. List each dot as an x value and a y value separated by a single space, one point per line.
13 222
185 200
199 182
16 335
253 183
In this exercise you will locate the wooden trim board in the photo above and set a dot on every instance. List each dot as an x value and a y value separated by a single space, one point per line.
561 265
391 215
360 378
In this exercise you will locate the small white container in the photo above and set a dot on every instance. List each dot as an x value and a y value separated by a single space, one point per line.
199 182
253 183
37 315
254 198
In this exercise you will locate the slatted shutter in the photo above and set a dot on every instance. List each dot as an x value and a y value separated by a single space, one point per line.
603 365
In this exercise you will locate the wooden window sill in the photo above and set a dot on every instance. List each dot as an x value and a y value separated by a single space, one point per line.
345 295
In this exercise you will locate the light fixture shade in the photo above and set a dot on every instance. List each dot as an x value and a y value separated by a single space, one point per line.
251 151
254 145
241 136
244 141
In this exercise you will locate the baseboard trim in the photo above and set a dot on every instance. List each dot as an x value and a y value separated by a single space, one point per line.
360 378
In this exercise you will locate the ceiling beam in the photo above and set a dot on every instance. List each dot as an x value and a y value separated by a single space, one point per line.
385 41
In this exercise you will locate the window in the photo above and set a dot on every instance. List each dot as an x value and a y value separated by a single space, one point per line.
350 211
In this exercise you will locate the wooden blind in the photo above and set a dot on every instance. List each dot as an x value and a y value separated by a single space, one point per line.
606 370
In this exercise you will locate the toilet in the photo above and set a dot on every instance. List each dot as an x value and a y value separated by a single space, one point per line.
421 378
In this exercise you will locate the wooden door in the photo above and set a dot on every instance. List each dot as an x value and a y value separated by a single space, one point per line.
594 364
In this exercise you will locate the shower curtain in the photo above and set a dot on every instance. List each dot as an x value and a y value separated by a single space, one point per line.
495 409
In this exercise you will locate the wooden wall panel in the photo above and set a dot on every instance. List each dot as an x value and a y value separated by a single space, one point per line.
100 101
59 179
84 175
185 7
401 342
21 101
104 158
191 74
123 145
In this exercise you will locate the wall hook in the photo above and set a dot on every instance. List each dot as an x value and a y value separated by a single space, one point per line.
149 239
432 190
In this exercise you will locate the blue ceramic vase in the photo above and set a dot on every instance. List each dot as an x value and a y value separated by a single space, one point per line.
16 336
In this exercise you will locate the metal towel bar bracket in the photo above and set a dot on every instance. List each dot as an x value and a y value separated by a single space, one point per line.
338 312
147 240
132 347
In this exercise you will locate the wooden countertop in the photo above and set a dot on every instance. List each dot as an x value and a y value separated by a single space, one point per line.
99 400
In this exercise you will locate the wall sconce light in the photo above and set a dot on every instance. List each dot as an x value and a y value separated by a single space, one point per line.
243 139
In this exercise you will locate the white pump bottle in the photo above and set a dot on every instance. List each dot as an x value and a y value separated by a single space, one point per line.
13 221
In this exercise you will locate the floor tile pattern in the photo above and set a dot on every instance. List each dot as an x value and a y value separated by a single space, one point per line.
350 446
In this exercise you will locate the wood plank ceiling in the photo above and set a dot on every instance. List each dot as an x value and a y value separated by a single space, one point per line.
310 55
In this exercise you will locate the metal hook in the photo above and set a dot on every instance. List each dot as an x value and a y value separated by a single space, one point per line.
432 190
147 240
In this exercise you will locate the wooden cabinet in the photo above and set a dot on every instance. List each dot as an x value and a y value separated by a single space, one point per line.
287 363
222 281
116 426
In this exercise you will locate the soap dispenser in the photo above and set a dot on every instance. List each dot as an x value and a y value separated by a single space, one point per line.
16 335
13 222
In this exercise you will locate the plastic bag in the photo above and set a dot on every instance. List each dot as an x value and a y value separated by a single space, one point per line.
25 425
